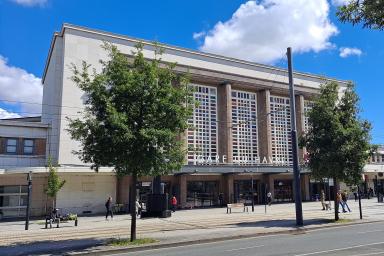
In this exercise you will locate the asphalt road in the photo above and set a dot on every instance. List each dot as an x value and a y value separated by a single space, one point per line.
360 239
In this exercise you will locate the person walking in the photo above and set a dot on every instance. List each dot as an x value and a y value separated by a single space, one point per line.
322 199
174 203
108 206
269 198
138 208
344 197
356 195
340 200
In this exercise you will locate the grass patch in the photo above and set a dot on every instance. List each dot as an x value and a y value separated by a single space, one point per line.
40 222
127 242
341 221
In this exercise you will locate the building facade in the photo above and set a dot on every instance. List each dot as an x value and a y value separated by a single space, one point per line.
238 149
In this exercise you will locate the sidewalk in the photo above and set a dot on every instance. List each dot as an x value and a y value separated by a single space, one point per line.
183 226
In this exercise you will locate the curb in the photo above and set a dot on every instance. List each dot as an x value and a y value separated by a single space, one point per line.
294 231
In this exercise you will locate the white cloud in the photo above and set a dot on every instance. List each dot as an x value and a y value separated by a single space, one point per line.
346 52
340 2
5 114
17 85
261 31
198 35
30 2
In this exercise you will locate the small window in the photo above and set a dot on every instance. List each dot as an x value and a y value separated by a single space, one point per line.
28 147
11 146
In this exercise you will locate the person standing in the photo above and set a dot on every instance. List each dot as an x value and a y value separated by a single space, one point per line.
269 198
138 208
108 206
322 199
174 203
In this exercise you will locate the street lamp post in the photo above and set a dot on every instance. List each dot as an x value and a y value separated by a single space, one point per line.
253 196
296 170
29 178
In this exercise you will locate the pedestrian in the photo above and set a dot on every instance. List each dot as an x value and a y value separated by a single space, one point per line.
340 200
174 203
269 198
221 199
344 197
108 206
138 208
322 199
371 192
356 195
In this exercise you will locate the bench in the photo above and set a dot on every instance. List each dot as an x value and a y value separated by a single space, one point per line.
237 205
55 217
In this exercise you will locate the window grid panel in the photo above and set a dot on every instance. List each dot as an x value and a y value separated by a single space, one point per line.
308 105
244 130
202 137
280 122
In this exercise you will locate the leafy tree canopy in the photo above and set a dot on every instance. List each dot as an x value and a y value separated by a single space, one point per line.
368 12
54 182
337 140
135 111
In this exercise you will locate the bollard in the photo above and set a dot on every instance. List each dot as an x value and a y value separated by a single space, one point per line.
76 222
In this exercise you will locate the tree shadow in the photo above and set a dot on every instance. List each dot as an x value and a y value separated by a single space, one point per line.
64 247
282 223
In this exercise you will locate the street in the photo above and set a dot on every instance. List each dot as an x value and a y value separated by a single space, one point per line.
362 239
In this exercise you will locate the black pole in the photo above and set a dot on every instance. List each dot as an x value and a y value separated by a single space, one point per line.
29 178
376 189
265 199
358 192
296 170
253 196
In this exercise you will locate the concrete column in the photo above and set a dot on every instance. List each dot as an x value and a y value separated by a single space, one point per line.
300 115
183 190
228 189
305 187
264 124
225 117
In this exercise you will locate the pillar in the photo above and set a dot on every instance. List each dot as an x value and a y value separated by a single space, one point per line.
225 118
183 190
263 124
305 187
228 188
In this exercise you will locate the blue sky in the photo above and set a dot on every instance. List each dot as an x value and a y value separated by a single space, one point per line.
26 28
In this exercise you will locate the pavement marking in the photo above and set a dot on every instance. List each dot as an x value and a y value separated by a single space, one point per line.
244 248
339 249
366 254
351 225
371 231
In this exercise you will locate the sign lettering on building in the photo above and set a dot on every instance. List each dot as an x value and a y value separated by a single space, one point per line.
217 159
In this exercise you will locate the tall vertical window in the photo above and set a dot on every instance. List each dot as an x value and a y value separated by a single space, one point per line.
202 136
13 201
28 146
308 105
11 146
244 129
281 129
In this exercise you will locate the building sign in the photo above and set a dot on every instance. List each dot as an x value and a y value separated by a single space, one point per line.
217 159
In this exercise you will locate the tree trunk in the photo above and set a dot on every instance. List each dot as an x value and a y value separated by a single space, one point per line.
132 203
335 190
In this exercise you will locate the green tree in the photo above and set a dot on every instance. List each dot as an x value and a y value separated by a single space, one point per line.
368 12
337 141
54 183
134 113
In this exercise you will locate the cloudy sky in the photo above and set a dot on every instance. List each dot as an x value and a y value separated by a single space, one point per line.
258 31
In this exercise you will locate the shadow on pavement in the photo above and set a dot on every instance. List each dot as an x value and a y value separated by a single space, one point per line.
281 223
49 247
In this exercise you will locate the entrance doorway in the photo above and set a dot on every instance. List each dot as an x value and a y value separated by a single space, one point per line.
243 191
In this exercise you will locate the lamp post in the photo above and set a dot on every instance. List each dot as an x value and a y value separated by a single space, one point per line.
253 196
296 169
29 179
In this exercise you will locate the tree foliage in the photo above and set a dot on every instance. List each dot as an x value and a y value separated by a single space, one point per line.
135 110
368 12
337 141
54 182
